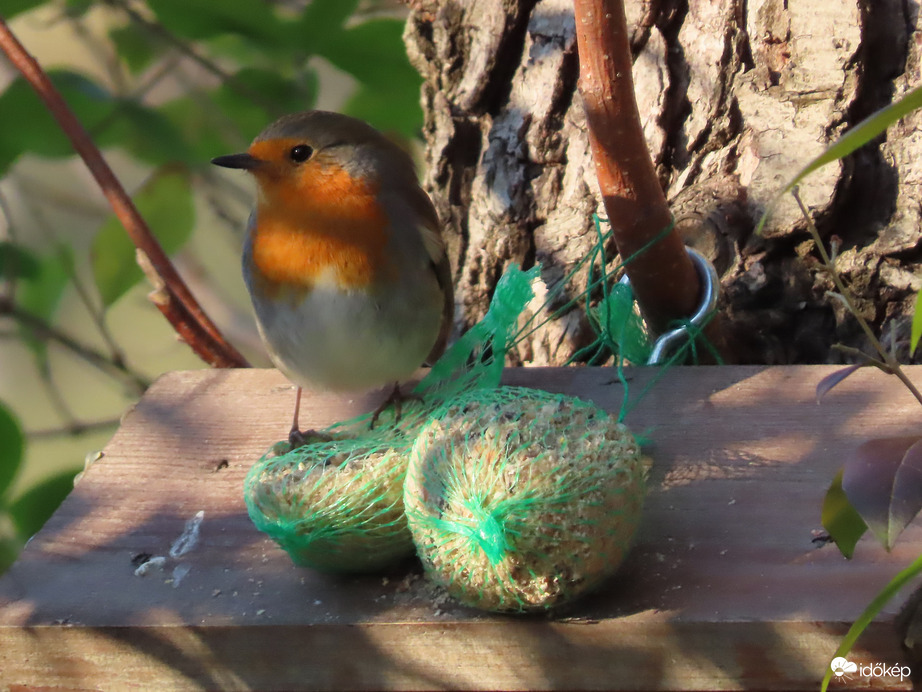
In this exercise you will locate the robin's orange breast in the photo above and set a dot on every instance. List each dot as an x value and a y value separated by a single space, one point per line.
328 225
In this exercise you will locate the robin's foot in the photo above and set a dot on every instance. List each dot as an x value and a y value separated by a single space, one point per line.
396 399
297 437
300 438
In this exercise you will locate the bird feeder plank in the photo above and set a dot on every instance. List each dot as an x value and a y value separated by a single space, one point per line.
725 587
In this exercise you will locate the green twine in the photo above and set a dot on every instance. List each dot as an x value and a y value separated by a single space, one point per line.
486 343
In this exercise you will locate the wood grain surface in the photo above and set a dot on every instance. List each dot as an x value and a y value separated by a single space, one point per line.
725 588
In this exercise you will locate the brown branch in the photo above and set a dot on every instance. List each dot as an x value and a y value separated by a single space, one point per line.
663 277
888 362
175 300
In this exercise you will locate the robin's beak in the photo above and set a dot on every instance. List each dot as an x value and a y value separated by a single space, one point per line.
245 161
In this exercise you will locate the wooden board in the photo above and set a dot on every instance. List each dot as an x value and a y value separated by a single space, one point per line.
725 588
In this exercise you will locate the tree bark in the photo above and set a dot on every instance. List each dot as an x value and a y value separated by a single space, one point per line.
734 97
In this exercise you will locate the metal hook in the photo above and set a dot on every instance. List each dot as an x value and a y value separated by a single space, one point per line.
710 290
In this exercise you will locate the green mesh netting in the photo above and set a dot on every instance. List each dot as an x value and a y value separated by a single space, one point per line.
335 506
519 499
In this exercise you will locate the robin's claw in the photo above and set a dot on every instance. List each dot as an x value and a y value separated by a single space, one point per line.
396 398
297 437
302 438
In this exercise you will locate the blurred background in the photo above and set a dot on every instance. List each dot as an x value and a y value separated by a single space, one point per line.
162 86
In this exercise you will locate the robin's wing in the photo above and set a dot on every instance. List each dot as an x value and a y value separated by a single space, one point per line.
442 271
435 246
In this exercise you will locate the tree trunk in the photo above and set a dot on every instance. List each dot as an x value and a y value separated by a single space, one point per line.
735 97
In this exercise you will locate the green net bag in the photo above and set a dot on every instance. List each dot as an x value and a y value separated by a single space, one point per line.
518 499
335 506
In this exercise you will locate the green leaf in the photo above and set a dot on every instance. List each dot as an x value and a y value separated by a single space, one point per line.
234 49
146 133
11 446
840 519
29 127
321 21
9 550
883 482
200 19
33 508
858 136
916 325
166 204
13 7
830 381
277 94
135 46
42 295
386 110
874 607
78 8
17 262
373 52
205 136
388 95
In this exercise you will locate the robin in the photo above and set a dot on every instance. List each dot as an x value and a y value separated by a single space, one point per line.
344 258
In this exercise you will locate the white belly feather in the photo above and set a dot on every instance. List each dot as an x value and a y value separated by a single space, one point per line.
345 341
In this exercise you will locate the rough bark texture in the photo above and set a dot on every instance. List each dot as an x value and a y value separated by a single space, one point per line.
735 97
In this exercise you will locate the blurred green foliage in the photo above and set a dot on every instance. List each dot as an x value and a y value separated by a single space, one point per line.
165 202
258 58
27 513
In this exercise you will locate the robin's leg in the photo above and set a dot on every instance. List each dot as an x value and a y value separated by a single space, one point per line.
396 398
297 438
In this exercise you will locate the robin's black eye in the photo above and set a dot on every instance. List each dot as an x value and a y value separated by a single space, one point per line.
300 153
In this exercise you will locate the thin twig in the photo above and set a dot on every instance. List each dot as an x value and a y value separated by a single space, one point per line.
100 51
8 285
888 362
99 318
54 392
116 114
97 314
73 429
836 278
861 355
199 331
44 330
